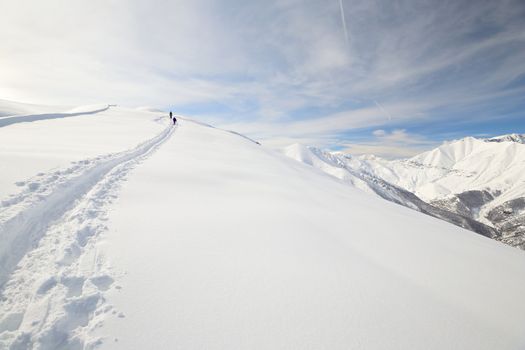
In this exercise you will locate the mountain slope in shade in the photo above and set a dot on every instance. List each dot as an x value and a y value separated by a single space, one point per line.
519 138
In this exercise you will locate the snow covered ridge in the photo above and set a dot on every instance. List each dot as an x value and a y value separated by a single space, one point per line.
519 138
120 231
11 108
478 184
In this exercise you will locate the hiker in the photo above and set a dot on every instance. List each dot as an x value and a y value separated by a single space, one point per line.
174 120
171 115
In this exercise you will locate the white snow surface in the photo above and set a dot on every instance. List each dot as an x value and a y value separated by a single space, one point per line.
458 166
191 237
495 165
12 108
519 138
33 144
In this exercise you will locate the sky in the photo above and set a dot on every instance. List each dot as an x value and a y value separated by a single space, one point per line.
387 77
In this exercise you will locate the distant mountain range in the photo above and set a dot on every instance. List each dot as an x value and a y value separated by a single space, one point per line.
475 183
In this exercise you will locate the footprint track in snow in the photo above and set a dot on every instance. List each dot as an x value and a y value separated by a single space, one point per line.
53 294
23 230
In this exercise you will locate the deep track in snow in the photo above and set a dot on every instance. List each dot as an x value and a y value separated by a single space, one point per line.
22 232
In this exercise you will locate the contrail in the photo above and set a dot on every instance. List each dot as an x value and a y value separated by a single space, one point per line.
343 21
383 110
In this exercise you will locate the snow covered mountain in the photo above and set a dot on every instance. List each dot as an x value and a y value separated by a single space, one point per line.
12 108
519 138
346 168
478 184
120 231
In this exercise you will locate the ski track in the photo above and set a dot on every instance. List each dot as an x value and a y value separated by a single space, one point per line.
53 279
36 117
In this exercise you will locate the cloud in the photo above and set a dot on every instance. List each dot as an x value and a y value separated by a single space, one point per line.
278 69
397 143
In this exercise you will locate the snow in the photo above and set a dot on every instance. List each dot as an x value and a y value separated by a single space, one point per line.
454 167
38 143
519 138
256 251
329 163
443 179
12 108
195 237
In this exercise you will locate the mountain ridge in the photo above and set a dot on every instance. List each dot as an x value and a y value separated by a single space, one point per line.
474 183
147 235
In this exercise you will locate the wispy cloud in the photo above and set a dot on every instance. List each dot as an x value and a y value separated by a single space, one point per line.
397 143
278 69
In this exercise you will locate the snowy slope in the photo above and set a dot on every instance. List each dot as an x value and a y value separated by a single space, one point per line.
12 108
519 138
479 179
483 179
344 168
327 162
198 238
256 251
31 144
466 164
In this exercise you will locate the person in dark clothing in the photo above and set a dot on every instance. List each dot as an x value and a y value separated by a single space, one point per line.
171 115
174 120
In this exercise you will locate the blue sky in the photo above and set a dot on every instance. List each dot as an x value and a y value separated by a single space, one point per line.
405 76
